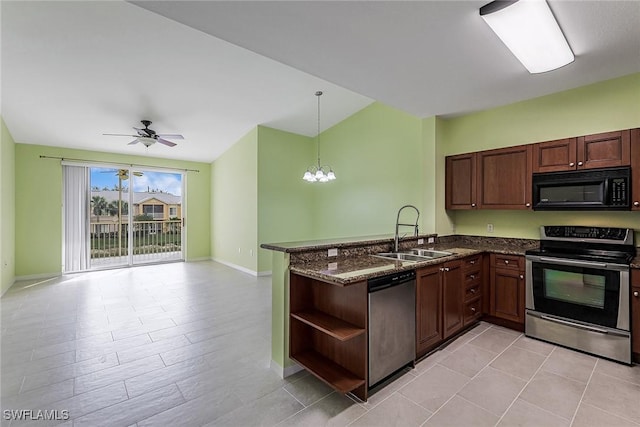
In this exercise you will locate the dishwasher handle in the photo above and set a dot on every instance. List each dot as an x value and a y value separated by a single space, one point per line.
384 282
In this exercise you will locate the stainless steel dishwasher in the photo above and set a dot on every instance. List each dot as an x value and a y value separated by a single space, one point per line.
392 324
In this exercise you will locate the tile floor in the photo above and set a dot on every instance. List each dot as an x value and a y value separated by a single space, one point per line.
188 344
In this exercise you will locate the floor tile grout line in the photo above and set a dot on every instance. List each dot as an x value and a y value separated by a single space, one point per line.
593 370
525 386
611 413
477 373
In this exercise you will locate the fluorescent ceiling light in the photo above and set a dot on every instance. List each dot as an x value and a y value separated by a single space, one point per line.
529 30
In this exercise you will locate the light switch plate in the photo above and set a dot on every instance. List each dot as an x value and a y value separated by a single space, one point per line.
332 252
420 241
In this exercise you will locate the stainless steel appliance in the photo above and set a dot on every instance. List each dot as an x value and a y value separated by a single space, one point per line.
392 324
577 289
591 189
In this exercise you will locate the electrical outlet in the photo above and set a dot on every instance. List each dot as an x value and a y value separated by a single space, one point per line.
490 228
332 252
332 266
431 240
420 241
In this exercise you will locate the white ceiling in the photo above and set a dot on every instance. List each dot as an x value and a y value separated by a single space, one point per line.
213 70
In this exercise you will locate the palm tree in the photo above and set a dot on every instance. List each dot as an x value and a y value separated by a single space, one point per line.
99 205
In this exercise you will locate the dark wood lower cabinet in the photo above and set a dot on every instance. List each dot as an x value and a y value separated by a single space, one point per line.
327 332
452 299
428 309
635 313
507 288
442 306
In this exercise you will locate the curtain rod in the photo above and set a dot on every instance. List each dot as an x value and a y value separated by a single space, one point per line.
111 163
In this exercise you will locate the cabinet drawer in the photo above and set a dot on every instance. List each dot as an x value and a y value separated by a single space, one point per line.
471 263
472 291
471 277
472 310
512 262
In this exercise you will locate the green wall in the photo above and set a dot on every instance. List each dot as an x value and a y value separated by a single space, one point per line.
285 201
38 207
7 211
234 204
379 160
601 107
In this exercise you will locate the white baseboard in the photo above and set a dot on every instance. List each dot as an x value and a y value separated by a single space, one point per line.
285 372
37 276
198 259
241 268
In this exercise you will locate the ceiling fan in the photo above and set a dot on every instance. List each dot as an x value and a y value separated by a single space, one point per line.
149 136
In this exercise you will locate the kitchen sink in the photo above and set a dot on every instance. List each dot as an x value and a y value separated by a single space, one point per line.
429 253
414 255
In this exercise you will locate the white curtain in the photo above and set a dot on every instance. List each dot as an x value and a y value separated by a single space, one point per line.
76 218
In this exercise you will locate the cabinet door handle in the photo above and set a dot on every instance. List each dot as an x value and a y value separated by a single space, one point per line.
473 291
521 277
446 269
572 164
528 205
580 163
473 205
473 309
441 269
636 294
636 204
506 261
472 276
473 262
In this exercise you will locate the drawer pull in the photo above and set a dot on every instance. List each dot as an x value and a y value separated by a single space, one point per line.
473 309
521 277
472 276
636 294
473 291
572 164
506 261
473 261
580 163
446 269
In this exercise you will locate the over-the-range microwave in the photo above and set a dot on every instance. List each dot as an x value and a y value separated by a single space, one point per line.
591 189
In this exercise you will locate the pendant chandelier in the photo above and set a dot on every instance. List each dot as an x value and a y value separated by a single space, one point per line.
318 173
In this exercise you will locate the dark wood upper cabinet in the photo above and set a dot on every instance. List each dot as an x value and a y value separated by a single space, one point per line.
553 156
604 150
601 150
461 182
504 178
635 169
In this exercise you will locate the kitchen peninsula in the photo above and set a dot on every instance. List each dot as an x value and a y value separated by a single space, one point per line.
319 297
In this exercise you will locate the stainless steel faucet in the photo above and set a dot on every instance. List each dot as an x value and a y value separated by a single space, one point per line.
398 224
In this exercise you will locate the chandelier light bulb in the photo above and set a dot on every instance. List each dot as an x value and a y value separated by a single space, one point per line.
319 173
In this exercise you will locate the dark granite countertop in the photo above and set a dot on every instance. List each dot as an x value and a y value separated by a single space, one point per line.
358 266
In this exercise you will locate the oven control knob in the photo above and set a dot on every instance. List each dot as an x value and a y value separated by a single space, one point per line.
636 294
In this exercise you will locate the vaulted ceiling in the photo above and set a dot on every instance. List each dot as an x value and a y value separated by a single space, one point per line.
213 70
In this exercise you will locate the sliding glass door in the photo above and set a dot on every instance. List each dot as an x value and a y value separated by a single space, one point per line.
120 216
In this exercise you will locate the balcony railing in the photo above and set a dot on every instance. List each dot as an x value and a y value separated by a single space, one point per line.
152 241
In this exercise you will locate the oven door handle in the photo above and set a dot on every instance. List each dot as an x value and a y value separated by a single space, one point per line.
578 325
575 263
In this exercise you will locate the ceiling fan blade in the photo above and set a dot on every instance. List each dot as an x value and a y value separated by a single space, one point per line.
135 141
142 132
170 136
119 134
165 142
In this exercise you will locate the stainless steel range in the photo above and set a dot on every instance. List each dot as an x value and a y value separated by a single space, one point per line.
577 289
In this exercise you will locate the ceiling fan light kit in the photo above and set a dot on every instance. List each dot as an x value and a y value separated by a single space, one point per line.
318 173
530 31
148 137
